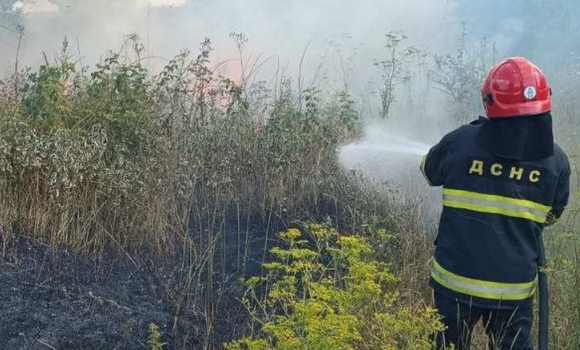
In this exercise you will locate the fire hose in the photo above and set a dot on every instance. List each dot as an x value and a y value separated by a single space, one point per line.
543 309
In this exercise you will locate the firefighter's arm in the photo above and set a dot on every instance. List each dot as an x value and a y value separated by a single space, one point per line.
432 164
561 197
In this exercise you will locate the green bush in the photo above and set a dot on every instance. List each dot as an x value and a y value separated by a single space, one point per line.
81 159
116 157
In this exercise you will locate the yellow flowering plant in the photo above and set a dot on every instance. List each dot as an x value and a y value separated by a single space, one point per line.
326 291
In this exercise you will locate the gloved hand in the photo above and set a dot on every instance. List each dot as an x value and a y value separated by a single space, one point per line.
550 219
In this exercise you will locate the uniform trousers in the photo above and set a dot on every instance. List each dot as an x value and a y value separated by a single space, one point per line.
507 329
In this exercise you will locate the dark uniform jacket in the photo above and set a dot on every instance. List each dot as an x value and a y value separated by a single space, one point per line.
494 209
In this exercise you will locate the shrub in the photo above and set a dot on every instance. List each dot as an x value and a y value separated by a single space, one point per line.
324 291
81 160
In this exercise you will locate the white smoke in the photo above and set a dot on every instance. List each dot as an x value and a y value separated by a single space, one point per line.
278 30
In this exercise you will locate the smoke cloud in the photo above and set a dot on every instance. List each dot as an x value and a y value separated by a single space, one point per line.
280 32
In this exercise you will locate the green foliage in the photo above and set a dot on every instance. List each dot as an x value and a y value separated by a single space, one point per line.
118 157
81 160
45 93
563 247
325 291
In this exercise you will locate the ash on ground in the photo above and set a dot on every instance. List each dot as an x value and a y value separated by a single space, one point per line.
52 299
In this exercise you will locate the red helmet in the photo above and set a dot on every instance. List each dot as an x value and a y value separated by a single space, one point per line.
515 87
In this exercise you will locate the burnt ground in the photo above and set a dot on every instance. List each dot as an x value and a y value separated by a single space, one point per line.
52 299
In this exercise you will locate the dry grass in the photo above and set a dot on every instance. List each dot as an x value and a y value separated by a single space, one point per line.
118 160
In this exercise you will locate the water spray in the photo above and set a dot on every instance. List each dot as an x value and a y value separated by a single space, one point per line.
384 155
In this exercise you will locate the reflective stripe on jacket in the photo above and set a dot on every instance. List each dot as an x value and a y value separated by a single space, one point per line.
493 204
480 288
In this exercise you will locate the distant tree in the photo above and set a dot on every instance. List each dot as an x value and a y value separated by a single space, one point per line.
393 68
460 74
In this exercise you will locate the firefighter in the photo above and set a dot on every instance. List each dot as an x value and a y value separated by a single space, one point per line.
504 179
